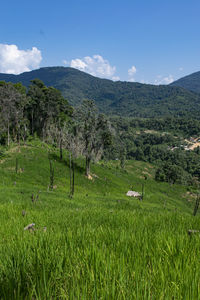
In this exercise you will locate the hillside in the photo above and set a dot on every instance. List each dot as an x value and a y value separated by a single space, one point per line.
101 243
190 82
121 98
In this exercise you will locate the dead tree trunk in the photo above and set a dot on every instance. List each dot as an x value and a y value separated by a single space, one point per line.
87 166
70 175
61 149
8 132
73 176
51 174
196 207
142 197
16 165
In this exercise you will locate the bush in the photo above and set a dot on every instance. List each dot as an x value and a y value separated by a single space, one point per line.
173 174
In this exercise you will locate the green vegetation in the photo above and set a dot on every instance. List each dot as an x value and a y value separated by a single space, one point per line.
116 98
190 82
43 112
179 127
163 142
101 244
68 230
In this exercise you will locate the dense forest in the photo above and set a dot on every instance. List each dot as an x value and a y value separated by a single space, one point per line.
117 98
162 142
43 112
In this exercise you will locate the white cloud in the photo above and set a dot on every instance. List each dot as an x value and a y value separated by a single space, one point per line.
95 65
132 71
115 78
15 61
163 80
131 79
181 69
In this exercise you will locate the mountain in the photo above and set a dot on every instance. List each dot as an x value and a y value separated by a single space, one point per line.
121 98
190 82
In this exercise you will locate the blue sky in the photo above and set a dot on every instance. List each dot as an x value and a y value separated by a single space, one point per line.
148 41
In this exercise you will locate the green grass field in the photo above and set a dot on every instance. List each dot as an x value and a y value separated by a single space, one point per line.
101 244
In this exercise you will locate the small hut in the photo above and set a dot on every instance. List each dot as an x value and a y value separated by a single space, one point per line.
133 194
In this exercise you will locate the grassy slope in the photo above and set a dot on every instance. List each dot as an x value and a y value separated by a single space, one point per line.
99 245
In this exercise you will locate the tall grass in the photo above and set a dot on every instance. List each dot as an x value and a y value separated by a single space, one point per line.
100 244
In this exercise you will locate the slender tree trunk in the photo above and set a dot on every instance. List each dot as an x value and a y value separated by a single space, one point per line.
8 132
51 177
61 150
43 134
196 205
19 144
18 134
32 122
14 134
73 175
142 198
86 166
87 169
16 165
18 137
70 175
24 134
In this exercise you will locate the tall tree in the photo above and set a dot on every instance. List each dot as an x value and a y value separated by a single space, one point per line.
95 132
12 110
46 107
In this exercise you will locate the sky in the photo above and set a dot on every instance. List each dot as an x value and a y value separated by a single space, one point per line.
148 41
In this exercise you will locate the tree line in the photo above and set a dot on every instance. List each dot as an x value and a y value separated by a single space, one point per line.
42 111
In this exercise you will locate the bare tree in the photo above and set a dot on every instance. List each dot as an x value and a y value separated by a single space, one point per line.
95 132
73 143
67 136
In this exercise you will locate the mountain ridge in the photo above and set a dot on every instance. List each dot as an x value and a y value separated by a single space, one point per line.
123 98
190 82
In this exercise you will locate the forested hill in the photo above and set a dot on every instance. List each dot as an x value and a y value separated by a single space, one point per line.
190 82
122 98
